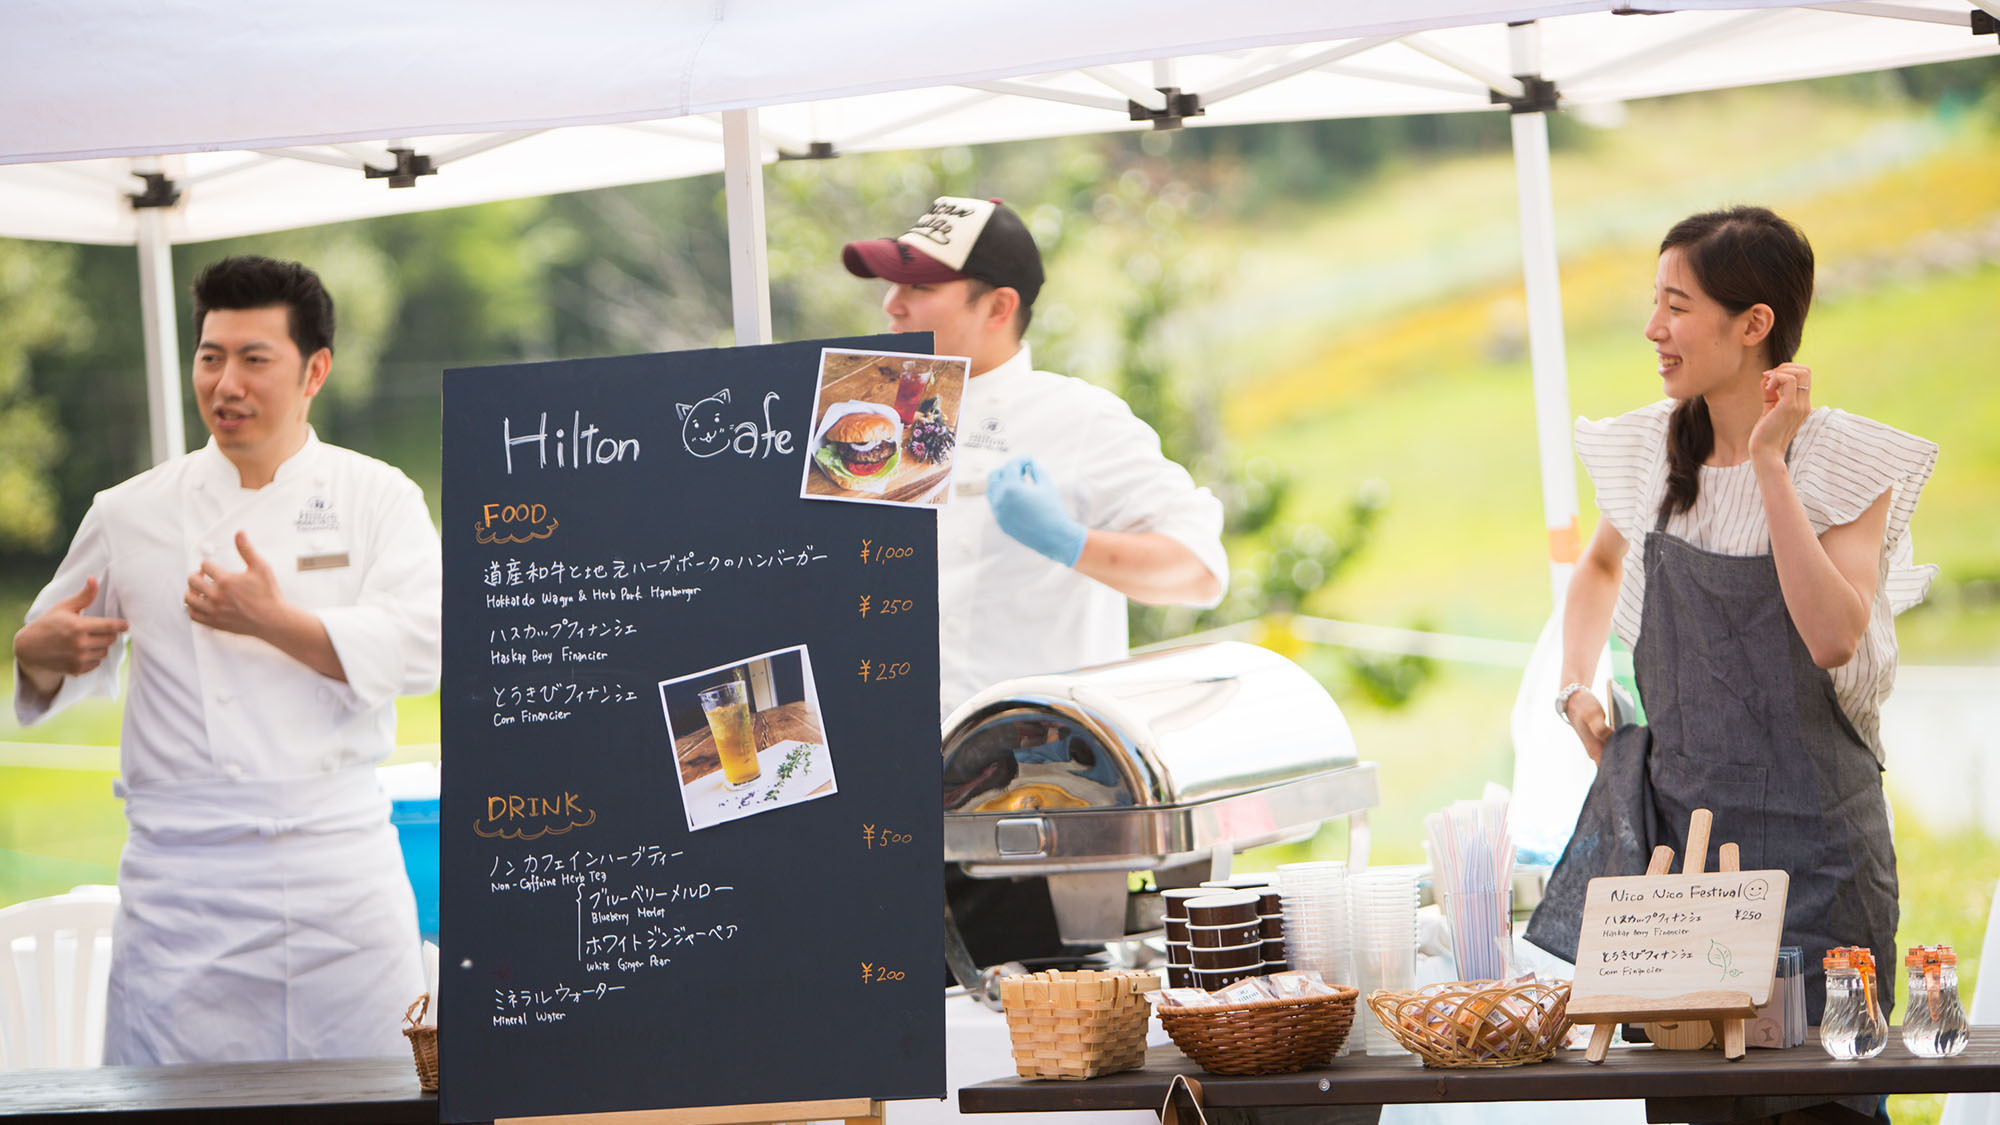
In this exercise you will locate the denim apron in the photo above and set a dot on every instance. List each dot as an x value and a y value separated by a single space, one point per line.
1744 724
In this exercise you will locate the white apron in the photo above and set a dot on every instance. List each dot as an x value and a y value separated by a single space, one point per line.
261 920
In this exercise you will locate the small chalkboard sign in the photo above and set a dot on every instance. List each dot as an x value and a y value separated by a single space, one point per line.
691 826
1694 946
1678 940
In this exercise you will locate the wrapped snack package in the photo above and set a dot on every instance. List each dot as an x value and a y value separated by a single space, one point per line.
1183 998
1247 991
1297 984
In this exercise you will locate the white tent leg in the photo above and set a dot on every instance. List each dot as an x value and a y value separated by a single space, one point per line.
1545 324
743 191
163 343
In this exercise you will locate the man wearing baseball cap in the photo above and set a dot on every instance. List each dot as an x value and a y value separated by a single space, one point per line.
1064 506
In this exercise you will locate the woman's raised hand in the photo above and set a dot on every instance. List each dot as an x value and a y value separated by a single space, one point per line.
1787 401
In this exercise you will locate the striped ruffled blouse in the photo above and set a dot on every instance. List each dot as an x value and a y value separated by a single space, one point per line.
1840 464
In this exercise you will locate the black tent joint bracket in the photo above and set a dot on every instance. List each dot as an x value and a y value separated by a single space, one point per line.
1538 95
1179 106
1983 23
817 150
408 167
160 192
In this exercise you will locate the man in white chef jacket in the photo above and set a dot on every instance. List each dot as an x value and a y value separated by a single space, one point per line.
278 593
1063 506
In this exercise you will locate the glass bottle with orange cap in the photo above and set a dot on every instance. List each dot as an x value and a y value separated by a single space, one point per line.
1852 1026
1935 1026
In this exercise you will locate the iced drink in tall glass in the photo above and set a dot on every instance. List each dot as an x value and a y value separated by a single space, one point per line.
727 707
910 388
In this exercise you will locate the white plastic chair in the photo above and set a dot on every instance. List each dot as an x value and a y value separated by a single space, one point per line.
52 979
1983 1008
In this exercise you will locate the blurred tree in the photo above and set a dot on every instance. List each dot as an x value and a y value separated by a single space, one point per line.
40 315
1169 382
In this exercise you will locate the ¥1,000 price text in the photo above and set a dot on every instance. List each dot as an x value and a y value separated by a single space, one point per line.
873 552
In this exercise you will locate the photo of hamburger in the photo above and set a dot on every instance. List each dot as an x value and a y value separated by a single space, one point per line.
861 449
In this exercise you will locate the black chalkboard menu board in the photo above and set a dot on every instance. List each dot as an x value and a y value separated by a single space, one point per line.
690 789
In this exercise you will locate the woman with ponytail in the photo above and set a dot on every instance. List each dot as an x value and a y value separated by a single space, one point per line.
1753 552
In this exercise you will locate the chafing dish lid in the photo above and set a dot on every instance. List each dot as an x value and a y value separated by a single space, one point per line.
1171 727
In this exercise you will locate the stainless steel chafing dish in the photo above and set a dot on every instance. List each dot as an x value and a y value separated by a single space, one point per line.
1167 762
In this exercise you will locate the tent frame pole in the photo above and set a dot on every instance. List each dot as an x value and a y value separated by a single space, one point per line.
1542 276
743 193
167 428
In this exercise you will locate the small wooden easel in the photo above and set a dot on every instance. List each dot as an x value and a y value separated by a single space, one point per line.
1715 1015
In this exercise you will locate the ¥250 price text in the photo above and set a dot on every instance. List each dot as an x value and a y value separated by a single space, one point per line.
877 671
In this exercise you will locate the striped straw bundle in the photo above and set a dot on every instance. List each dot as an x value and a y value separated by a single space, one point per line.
1472 863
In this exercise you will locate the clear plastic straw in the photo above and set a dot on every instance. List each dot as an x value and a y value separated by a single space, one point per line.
1472 863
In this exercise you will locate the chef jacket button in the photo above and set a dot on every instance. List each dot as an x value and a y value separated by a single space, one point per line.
232 770
207 549
223 698
329 763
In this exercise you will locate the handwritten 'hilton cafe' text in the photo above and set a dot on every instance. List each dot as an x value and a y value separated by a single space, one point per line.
575 447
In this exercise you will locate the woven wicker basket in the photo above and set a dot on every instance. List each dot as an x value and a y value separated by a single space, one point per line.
1263 1036
1077 1024
423 1042
1477 1022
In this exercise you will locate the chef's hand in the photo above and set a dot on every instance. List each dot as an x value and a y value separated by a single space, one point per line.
246 602
1029 508
1787 401
1587 718
63 642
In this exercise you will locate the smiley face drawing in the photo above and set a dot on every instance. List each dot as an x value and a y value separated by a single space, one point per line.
703 431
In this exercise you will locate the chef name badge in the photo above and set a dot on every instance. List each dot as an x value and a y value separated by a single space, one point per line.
331 561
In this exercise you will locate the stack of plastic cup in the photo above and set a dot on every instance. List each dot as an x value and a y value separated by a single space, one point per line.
1313 902
1384 904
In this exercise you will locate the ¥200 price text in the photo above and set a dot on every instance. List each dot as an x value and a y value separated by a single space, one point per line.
879 974
877 671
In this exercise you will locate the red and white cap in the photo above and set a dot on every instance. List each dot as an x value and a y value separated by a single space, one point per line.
981 239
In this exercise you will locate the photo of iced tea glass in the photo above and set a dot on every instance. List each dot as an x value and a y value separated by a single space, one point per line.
911 386
727 706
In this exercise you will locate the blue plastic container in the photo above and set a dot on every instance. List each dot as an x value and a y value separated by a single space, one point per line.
416 824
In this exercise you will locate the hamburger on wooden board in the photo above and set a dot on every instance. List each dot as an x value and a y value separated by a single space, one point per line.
861 451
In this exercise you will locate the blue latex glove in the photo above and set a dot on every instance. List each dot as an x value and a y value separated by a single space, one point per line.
1030 509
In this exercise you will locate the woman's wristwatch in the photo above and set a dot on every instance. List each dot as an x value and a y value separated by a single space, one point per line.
1562 698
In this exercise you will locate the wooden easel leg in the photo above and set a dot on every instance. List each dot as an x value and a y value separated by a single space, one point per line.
1600 1042
1662 861
1730 1033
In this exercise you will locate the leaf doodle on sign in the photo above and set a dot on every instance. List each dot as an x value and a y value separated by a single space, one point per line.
1720 956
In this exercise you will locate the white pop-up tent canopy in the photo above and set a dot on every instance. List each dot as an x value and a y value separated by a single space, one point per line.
153 122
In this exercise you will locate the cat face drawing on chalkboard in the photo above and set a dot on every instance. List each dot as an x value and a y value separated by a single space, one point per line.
702 429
